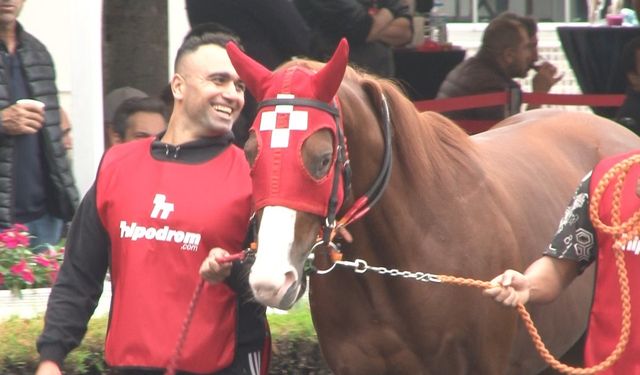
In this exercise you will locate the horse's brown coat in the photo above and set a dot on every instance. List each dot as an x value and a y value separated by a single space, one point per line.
455 205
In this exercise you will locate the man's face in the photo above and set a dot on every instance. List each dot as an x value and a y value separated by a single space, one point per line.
9 11
143 125
210 92
533 46
521 56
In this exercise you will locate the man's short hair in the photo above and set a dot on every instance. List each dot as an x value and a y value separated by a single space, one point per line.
115 97
204 34
500 35
132 106
529 23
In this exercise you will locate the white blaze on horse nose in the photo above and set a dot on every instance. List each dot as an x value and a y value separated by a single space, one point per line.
272 273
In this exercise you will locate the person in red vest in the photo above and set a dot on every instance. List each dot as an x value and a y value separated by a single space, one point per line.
582 240
160 214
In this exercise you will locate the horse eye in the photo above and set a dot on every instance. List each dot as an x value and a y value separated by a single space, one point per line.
324 164
317 153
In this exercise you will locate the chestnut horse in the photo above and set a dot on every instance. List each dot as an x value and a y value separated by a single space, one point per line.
454 204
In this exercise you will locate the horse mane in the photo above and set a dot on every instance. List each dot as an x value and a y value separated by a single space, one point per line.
429 144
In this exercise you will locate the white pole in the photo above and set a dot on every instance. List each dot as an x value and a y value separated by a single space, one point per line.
86 88
474 11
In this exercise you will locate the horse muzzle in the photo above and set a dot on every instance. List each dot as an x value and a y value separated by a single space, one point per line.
279 290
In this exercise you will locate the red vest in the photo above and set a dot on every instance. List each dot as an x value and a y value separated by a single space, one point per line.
162 219
606 312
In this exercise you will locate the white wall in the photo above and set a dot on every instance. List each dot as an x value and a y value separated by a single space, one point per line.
51 22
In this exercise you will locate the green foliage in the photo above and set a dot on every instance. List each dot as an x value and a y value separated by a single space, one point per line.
18 353
297 322
294 342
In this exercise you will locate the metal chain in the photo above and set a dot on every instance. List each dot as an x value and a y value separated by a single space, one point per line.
361 266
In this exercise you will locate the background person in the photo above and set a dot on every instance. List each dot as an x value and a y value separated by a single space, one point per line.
506 52
373 29
37 187
111 102
138 118
546 74
159 214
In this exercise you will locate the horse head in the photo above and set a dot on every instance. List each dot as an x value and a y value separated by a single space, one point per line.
295 149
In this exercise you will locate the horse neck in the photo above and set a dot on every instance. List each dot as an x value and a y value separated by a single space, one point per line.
432 165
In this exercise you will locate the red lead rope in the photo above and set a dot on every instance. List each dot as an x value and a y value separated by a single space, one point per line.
177 352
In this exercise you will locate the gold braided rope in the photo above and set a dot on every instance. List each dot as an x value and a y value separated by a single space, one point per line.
621 232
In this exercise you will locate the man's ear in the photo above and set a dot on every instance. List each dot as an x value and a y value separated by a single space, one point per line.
508 56
177 86
114 137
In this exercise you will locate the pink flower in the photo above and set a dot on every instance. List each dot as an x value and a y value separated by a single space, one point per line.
22 269
1 279
42 260
20 228
15 236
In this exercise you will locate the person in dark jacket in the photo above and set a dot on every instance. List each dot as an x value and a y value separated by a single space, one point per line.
508 50
37 187
159 217
372 28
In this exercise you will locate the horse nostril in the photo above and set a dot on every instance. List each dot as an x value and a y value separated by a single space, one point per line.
289 278
264 291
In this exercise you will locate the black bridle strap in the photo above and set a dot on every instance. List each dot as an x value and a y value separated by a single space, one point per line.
365 202
301 102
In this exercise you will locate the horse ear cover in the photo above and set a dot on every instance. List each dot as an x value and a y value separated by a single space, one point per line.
257 78
279 176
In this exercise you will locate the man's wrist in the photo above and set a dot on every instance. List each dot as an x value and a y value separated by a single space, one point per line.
52 353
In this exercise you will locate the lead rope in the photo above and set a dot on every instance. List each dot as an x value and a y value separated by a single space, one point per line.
621 233
184 330
177 352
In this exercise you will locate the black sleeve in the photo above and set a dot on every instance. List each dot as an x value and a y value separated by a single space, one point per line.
338 18
290 31
576 237
396 7
78 287
252 321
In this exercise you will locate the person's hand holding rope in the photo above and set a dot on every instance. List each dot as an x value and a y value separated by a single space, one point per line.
511 288
214 268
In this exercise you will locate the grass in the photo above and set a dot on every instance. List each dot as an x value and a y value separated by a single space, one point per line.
18 336
296 322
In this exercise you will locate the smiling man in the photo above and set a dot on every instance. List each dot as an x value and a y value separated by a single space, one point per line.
160 213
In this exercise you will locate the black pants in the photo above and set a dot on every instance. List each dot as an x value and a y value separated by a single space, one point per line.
248 361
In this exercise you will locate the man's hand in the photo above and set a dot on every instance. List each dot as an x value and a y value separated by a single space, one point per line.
48 368
511 288
211 270
23 118
546 76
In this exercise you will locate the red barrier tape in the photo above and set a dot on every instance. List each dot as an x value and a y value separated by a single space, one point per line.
462 102
501 98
